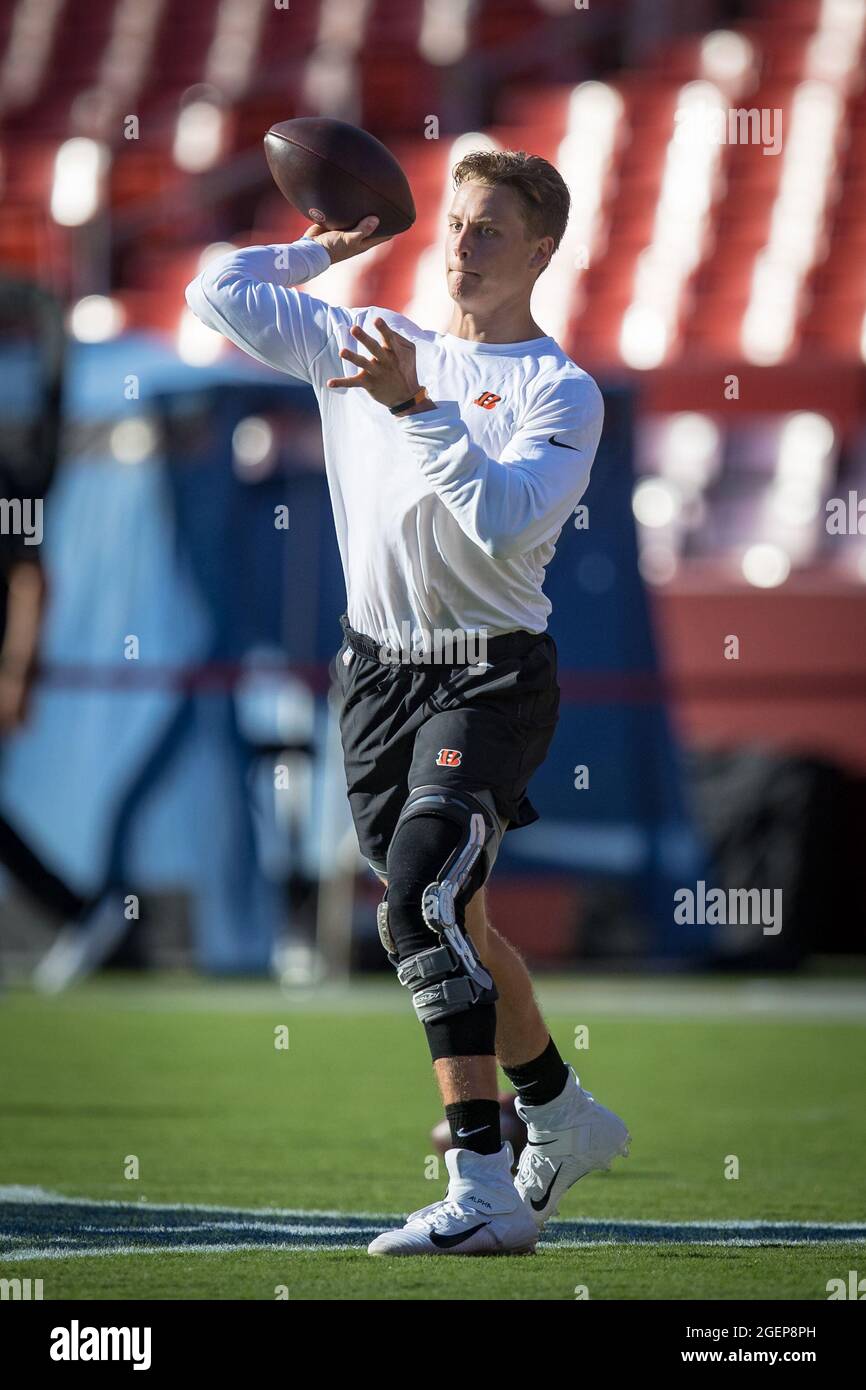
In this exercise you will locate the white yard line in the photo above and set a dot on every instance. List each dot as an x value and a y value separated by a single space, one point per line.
315 1230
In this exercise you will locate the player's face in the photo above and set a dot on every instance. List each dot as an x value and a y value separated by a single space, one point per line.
489 254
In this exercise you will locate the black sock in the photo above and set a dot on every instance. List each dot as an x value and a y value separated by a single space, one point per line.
539 1081
479 1122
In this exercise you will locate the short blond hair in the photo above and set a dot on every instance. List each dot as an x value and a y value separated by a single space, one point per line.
544 196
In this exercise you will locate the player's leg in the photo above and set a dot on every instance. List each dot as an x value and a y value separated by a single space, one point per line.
569 1133
443 847
492 727
463 1036
380 715
521 1032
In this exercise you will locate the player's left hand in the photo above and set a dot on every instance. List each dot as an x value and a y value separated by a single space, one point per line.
389 374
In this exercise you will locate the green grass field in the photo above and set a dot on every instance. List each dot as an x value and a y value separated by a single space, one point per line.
184 1077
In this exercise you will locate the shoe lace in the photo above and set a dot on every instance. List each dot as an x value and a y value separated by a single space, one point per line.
534 1169
438 1214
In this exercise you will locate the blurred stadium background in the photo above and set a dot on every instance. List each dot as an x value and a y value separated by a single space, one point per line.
179 766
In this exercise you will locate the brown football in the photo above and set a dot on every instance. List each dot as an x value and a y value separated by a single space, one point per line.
513 1128
335 174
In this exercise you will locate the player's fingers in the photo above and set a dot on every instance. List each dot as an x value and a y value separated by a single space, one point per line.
368 342
355 357
387 333
346 380
403 347
366 227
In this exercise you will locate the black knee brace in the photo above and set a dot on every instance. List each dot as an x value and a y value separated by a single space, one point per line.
421 845
441 853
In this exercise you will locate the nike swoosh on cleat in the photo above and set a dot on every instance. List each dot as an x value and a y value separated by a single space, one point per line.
539 1204
539 1143
446 1242
553 440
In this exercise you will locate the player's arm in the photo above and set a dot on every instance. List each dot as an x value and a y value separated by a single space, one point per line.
510 505
25 606
250 297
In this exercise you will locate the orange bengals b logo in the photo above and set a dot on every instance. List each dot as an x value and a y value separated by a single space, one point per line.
449 757
487 399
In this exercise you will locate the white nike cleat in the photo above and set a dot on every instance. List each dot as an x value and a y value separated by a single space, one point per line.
567 1138
481 1213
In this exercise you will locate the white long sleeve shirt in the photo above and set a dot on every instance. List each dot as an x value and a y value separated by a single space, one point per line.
445 519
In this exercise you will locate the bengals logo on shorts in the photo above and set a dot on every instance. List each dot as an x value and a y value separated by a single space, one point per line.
449 757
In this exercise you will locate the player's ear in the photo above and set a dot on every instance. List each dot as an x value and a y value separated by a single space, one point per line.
541 257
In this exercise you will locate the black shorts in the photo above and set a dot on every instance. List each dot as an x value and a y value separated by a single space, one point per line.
405 726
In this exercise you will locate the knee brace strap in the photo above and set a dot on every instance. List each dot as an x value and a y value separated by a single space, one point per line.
443 984
483 829
444 980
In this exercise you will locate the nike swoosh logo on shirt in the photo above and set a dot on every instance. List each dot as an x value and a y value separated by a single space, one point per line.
447 1242
538 1204
553 440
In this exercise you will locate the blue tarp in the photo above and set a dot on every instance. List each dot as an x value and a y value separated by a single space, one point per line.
145 788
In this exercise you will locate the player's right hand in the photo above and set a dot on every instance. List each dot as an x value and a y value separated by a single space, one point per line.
341 246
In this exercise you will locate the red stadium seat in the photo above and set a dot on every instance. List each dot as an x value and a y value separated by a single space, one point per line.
31 244
399 106
529 114
534 103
